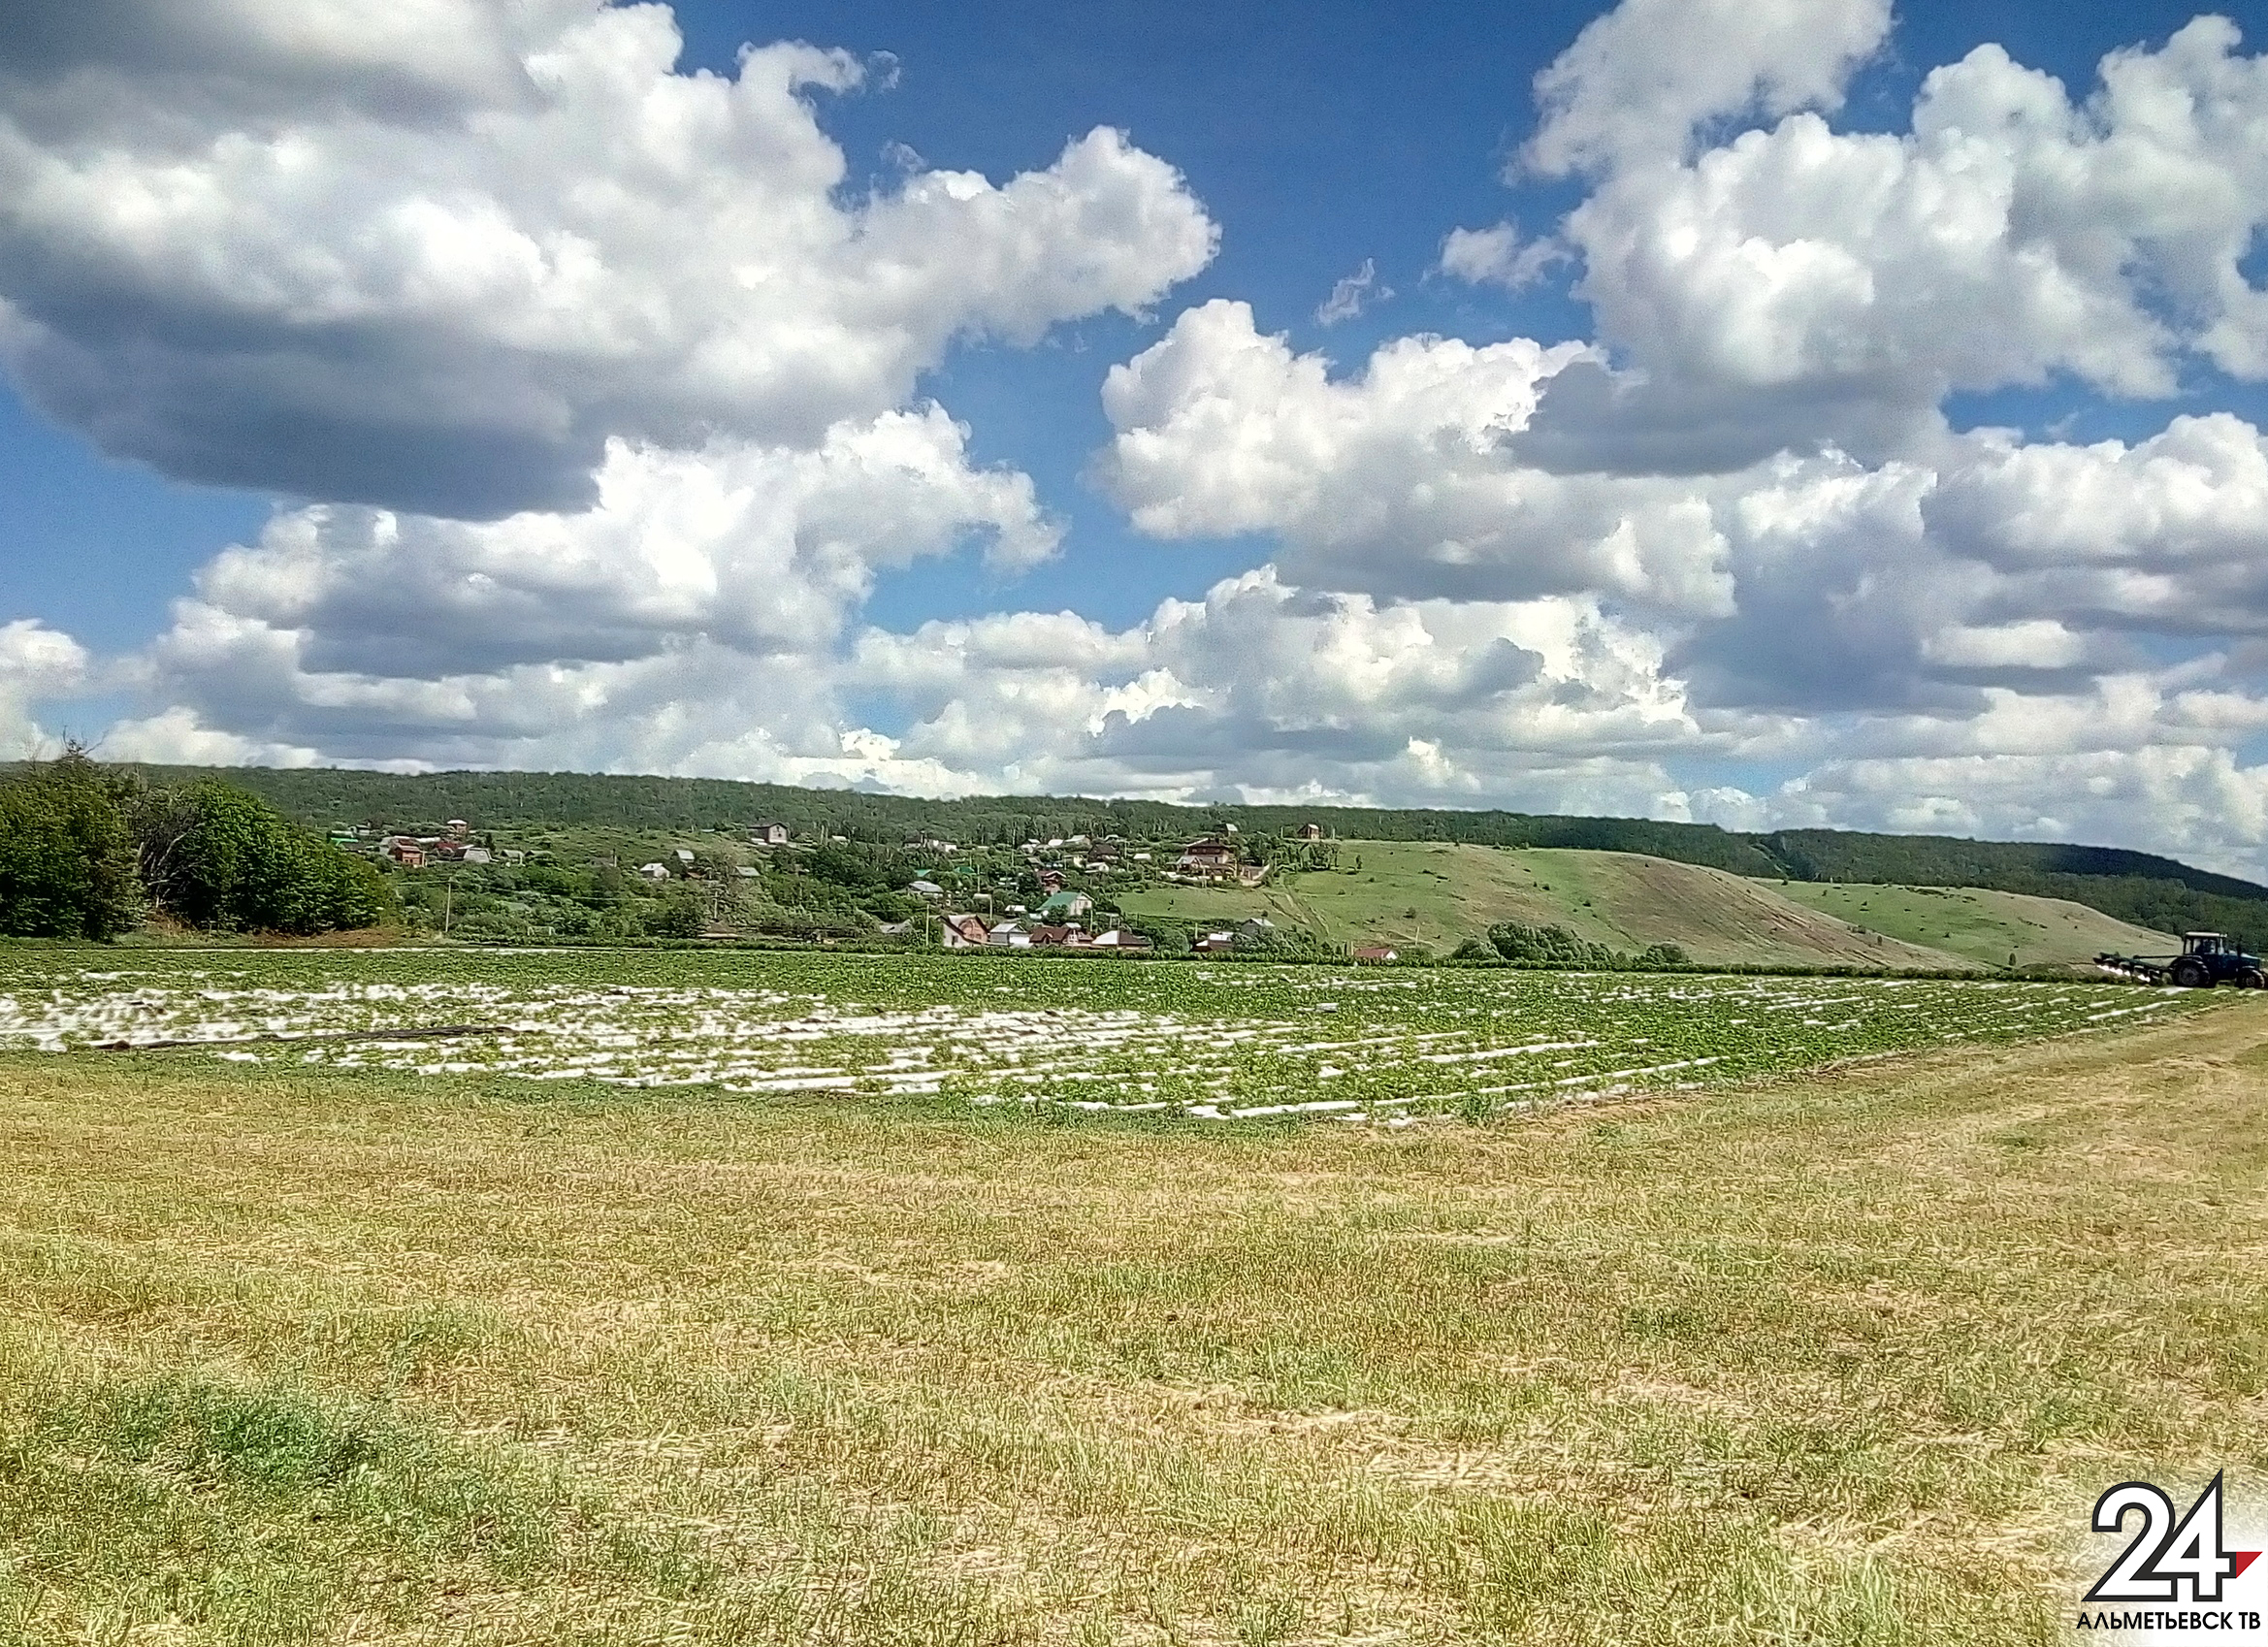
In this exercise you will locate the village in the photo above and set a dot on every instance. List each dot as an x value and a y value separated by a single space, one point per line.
1060 893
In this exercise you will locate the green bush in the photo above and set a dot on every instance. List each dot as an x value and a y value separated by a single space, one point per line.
1287 944
1557 946
216 858
680 916
67 866
1551 946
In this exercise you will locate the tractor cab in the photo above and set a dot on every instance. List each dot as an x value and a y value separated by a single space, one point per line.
2209 958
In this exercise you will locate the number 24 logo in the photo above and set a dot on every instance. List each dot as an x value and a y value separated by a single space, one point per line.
2164 1555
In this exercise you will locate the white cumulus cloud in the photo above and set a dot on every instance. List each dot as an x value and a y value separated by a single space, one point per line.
435 259
1497 256
346 623
1395 482
1639 80
36 664
1798 286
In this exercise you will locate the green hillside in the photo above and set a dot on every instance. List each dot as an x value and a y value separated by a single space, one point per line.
1437 894
1979 923
2138 887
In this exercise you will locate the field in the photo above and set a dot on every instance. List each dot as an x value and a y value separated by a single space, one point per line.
1213 1040
1437 894
1979 924
296 1353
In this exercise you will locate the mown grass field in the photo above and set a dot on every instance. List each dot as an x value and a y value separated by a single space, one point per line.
300 1354
1978 924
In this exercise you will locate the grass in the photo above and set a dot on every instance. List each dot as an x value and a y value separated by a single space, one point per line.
1435 894
293 1355
1980 924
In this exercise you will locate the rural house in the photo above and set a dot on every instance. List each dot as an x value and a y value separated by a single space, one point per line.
769 836
1066 906
1211 856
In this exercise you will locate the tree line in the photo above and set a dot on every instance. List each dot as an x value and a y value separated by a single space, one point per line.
89 851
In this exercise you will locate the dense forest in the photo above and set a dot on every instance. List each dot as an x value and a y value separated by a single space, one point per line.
2138 887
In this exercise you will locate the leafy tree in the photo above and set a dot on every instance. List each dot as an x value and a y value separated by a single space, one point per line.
1549 946
217 858
1556 946
1171 937
680 916
1286 943
553 881
67 865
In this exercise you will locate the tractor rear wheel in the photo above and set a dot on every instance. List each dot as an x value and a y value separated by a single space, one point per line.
2192 975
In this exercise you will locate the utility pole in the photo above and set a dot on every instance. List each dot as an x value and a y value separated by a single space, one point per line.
448 901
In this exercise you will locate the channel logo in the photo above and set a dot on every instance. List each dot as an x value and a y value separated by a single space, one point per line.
2176 1579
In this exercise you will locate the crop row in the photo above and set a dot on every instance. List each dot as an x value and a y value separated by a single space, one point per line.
1205 1040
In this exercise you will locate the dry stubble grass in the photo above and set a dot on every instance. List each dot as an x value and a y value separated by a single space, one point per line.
1837 1358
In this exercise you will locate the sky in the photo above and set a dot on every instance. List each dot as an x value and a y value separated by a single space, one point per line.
1776 413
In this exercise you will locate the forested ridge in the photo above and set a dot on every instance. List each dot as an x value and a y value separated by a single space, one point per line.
2143 887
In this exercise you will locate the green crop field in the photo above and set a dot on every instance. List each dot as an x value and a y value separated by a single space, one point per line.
1978 925
1435 894
292 1352
1215 1039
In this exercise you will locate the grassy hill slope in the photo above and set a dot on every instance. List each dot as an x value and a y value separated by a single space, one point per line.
1979 923
1437 894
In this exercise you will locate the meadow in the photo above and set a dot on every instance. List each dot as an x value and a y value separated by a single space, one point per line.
1211 1041
1435 894
296 1353
1976 924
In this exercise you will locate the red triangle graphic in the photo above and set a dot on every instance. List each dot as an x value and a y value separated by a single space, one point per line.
2240 1559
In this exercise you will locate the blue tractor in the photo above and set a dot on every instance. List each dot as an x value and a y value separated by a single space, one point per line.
2207 959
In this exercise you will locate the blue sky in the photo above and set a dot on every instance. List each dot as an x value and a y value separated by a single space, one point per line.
479 387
